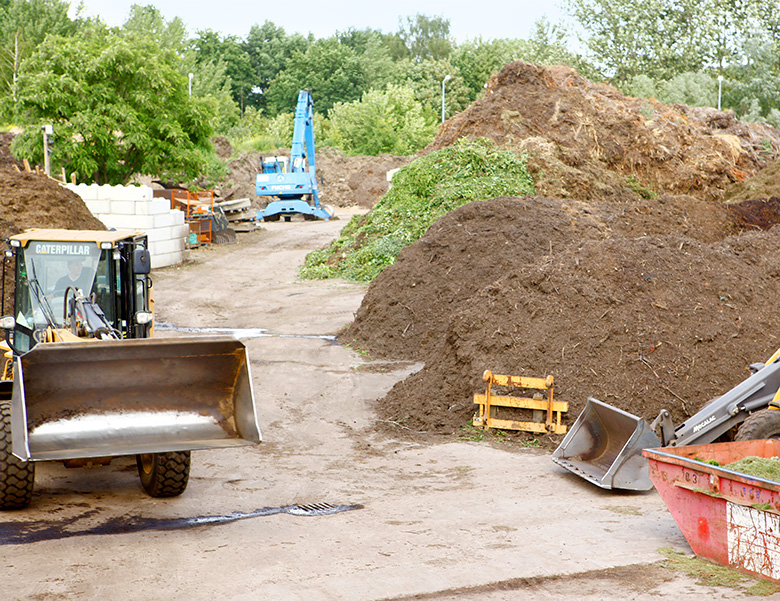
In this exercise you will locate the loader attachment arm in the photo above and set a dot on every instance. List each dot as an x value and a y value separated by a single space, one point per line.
605 444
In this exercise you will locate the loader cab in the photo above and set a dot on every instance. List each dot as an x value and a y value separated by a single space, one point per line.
110 268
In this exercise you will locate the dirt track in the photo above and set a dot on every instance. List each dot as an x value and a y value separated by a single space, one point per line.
462 520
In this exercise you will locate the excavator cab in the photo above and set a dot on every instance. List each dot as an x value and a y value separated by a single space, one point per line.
84 379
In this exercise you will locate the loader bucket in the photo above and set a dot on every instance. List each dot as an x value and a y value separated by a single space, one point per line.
121 397
605 445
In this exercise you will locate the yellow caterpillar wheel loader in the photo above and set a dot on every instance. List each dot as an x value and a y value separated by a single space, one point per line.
84 380
604 446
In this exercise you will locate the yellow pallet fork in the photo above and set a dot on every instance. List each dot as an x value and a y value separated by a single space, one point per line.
546 412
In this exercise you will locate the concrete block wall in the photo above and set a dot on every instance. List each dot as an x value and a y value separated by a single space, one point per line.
135 208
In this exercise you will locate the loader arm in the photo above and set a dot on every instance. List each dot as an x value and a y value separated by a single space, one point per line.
605 444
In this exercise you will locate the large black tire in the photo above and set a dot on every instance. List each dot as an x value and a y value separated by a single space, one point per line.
17 477
759 425
164 474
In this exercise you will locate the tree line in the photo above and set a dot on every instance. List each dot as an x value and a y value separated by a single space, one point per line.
147 96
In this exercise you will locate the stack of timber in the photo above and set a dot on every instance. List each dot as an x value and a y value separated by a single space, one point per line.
239 213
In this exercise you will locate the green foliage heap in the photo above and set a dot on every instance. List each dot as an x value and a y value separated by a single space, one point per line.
423 191
763 467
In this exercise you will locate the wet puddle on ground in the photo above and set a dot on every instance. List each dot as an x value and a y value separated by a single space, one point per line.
21 533
240 333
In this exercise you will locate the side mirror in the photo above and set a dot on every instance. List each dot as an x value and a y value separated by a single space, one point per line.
142 261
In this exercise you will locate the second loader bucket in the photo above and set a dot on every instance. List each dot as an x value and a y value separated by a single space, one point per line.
122 397
605 445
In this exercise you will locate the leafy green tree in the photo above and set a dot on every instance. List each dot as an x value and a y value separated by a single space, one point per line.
752 88
425 79
426 37
478 59
663 38
375 51
212 48
333 71
23 25
389 121
693 89
119 107
147 22
641 86
269 48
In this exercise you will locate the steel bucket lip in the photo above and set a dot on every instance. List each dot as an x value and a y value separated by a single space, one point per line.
628 469
231 397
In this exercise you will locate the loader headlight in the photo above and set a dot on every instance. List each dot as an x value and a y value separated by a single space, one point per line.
7 322
143 317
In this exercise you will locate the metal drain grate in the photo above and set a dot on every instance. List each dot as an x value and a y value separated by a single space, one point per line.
314 509
19 533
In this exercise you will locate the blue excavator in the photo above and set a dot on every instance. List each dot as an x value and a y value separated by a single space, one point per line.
293 187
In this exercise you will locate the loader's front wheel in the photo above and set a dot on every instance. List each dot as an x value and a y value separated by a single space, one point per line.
164 474
17 477
761 424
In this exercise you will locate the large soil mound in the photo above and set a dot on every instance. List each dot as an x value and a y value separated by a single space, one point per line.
647 306
29 200
588 141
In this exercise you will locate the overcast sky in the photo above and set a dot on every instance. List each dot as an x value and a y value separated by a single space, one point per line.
468 20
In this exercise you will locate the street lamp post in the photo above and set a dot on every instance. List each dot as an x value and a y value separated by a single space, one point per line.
720 89
443 81
191 76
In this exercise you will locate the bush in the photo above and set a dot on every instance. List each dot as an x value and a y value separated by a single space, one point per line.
381 122
423 191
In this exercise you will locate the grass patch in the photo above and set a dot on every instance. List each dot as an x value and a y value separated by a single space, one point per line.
712 574
423 191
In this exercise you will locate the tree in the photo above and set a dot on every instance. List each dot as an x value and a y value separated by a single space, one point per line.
210 47
663 38
148 23
269 48
426 37
23 25
333 71
118 106
210 80
381 122
425 80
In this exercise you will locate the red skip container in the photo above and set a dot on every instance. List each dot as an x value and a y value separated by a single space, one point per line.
728 517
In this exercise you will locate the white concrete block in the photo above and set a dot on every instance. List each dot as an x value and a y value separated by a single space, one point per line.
154 206
128 222
167 259
178 217
166 246
87 192
125 193
163 220
98 207
180 231
122 207
160 234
